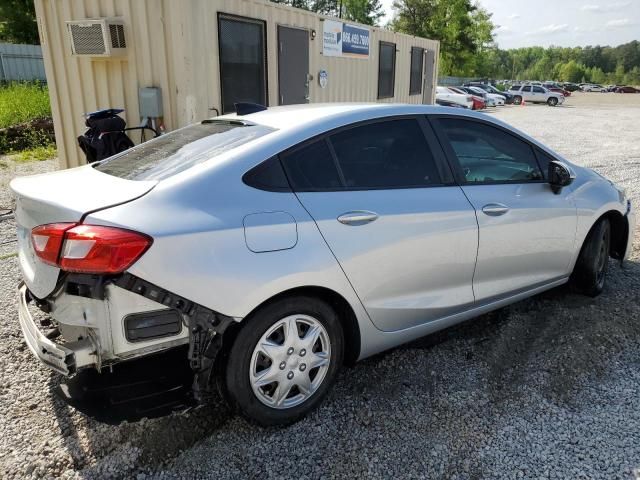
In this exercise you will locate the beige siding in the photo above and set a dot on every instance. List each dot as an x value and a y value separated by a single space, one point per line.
173 44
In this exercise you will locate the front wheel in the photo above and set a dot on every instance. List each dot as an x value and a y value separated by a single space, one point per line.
553 101
284 360
590 272
517 100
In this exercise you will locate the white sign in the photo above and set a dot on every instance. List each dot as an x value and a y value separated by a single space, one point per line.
332 39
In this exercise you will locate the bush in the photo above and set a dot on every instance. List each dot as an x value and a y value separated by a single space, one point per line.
25 117
22 102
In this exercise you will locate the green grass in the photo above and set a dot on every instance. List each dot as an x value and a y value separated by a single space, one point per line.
8 255
21 102
36 154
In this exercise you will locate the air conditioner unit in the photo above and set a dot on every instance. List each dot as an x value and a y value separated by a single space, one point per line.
97 37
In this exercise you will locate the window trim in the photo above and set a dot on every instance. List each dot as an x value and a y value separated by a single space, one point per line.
413 91
240 18
452 158
447 176
393 70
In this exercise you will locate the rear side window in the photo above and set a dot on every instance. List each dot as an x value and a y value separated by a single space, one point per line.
311 168
487 154
526 89
181 149
268 176
538 89
389 154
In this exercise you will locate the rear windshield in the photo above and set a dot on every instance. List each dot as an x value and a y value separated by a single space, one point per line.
181 149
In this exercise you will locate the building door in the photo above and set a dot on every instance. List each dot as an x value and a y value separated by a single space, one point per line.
243 64
293 65
429 66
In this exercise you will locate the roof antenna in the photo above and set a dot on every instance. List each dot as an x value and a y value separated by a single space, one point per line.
245 108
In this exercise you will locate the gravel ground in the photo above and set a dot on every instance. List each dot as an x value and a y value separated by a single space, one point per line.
544 389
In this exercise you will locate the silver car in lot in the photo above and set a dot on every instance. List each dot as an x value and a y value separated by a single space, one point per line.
281 244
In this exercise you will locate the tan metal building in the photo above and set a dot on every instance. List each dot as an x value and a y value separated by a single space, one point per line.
201 56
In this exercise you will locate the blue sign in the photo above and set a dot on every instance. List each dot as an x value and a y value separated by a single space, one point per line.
355 41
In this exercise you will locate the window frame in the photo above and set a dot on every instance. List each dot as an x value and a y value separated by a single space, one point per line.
412 88
454 163
393 69
243 19
442 165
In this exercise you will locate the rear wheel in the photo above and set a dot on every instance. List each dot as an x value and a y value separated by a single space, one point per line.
553 101
517 100
590 272
284 360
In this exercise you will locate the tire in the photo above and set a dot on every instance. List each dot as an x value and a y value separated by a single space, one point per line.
517 100
590 272
286 360
552 102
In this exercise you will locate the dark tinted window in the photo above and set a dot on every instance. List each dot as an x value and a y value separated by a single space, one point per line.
391 154
386 69
515 87
415 82
490 155
179 150
269 176
543 160
312 168
538 89
526 89
242 61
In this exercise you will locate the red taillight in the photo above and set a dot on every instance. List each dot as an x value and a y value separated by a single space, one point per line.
88 248
47 241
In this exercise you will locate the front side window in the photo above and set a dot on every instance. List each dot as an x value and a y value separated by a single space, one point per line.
415 82
487 154
386 70
389 154
538 89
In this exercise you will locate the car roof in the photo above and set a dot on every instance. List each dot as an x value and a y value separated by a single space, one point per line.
296 116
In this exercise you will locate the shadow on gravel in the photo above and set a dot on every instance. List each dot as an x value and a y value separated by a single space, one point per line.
555 340
143 405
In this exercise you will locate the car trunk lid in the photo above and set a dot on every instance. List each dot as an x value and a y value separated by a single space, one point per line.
58 197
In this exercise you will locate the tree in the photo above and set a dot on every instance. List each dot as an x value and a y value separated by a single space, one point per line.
463 29
571 72
362 11
18 22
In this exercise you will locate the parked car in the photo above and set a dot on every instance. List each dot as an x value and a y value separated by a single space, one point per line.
479 102
448 103
508 98
594 88
537 94
627 89
571 87
282 243
445 93
492 99
557 89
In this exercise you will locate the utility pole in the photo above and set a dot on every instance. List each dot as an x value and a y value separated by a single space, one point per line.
340 10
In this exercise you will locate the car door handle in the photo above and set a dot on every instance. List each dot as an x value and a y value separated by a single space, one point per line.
495 209
360 217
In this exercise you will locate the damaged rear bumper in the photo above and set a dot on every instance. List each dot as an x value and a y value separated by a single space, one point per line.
64 359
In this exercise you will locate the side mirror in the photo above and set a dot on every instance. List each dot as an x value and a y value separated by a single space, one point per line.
560 175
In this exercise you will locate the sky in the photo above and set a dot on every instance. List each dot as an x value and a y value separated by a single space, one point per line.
566 23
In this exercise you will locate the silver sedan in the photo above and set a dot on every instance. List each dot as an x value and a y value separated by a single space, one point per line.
283 243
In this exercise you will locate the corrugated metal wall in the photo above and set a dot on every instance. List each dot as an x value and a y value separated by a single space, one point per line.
21 62
173 44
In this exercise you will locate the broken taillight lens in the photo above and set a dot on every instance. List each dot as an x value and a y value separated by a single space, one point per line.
88 248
